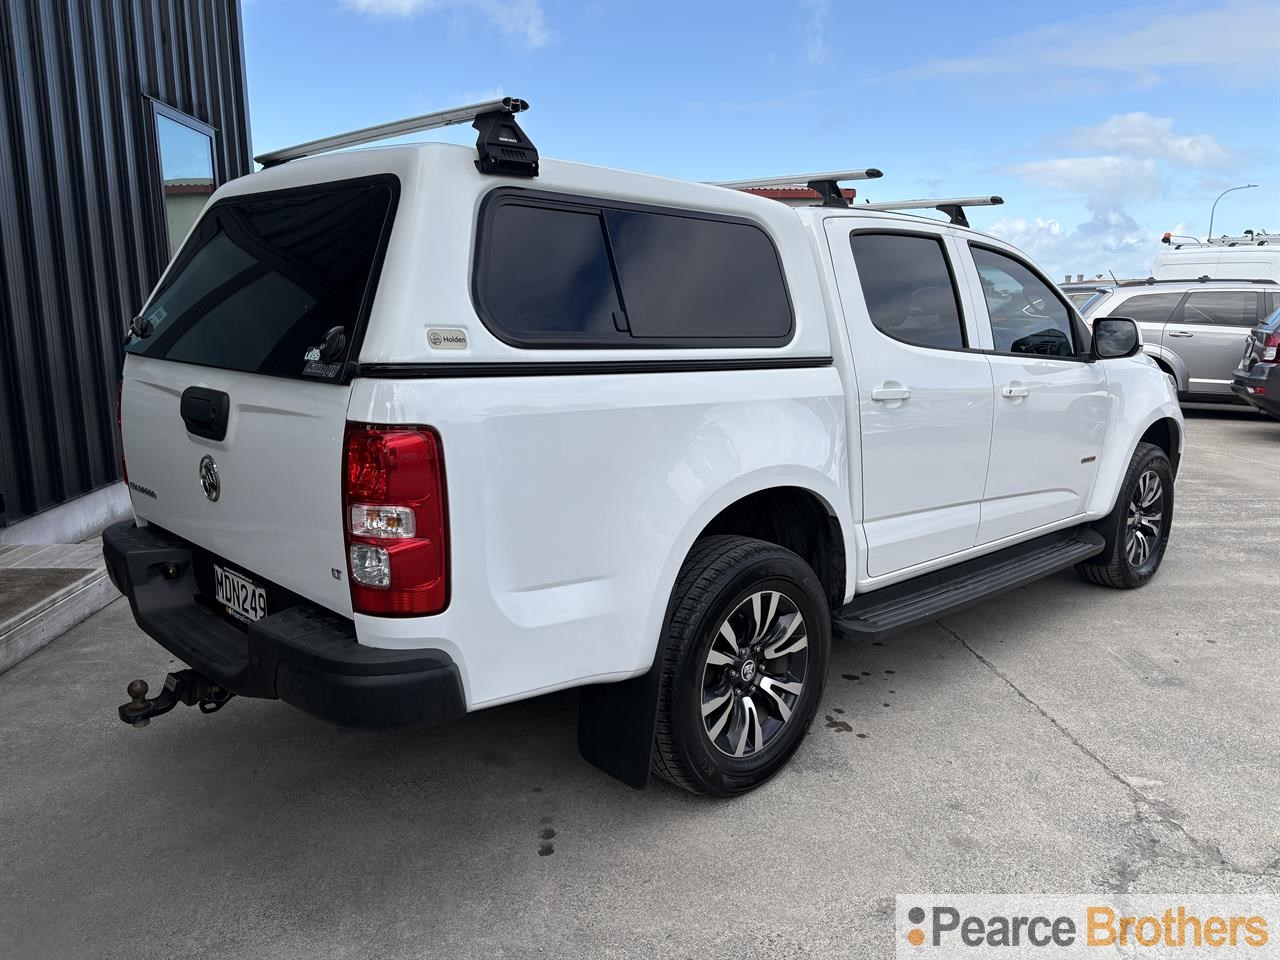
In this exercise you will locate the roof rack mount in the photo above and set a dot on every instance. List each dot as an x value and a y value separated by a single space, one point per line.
953 207
501 145
826 185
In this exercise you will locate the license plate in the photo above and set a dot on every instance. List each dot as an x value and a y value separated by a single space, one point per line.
241 596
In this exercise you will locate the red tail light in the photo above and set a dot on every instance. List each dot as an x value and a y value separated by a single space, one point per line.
124 467
394 518
1271 348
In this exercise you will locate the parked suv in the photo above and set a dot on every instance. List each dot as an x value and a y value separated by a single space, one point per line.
1195 329
417 431
1257 379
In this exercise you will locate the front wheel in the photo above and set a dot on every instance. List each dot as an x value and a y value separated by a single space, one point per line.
744 664
1137 529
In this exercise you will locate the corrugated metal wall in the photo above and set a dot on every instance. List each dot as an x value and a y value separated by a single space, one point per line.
82 230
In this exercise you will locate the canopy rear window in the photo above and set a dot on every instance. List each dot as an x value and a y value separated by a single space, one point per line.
264 280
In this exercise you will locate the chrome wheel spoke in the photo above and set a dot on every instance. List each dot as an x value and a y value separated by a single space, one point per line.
717 659
731 638
715 729
715 703
774 690
751 734
793 638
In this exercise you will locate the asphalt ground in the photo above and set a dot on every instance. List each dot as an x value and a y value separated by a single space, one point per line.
1063 738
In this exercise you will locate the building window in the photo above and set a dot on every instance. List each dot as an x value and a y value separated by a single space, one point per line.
185 149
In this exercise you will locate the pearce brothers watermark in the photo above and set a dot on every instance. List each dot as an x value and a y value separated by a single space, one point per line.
1112 925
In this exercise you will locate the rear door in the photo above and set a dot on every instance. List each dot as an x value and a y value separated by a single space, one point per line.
235 384
1207 331
924 392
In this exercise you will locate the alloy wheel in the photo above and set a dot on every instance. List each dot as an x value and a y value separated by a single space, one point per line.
1145 520
754 673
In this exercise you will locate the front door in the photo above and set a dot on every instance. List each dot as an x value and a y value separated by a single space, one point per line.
1050 402
924 397
1208 331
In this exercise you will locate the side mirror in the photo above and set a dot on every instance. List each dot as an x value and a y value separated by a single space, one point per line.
1115 338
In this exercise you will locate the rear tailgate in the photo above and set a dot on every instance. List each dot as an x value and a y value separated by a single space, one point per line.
249 466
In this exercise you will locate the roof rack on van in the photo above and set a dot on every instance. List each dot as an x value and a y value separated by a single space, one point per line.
1250 238
1152 281
952 207
826 185
502 146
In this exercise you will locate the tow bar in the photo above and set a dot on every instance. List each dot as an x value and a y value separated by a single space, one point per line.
185 686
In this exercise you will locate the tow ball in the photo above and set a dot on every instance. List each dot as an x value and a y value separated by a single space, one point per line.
185 686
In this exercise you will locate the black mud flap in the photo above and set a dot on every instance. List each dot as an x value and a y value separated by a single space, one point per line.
617 723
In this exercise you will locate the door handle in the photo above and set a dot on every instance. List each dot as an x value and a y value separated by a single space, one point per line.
1181 333
880 394
1014 392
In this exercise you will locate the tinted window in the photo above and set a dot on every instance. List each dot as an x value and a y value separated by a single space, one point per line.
1148 307
1272 322
689 277
262 279
1026 316
907 286
548 273
1232 308
562 273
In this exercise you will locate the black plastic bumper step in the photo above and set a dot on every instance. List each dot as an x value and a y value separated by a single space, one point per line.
925 598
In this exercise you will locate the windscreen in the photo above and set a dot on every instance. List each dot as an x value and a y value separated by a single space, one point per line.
272 283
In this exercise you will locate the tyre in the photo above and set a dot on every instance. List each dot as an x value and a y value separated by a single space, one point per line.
1137 530
748 635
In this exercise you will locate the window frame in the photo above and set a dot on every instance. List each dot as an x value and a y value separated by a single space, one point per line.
482 264
160 109
356 341
940 238
1180 311
1080 342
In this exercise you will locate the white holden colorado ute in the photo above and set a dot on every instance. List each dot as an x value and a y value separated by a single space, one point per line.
416 431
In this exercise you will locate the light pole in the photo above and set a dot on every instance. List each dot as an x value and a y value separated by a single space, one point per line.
1245 186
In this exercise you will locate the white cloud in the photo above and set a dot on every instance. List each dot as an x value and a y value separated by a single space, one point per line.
1144 136
1109 242
523 19
1104 181
1143 157
1229 42
816 48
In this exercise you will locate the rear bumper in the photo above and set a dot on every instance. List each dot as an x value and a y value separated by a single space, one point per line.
304 655
1264 377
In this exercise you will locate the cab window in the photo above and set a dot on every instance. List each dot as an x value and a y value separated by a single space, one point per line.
1026 315
906 282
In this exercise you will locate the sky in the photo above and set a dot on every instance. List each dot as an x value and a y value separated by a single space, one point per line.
1102 124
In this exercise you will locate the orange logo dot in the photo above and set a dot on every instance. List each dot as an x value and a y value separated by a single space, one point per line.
915 937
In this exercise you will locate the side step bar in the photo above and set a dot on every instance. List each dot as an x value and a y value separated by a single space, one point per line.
925 598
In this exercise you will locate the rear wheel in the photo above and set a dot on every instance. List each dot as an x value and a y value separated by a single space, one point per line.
1137 530
744 665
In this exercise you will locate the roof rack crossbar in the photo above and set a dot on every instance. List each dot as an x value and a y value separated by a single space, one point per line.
953 207
501 144
826 185
1151 281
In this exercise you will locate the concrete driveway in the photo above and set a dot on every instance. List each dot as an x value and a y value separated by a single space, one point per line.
1062 739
